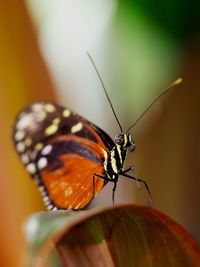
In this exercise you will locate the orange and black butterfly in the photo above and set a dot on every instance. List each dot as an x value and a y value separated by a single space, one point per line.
70 158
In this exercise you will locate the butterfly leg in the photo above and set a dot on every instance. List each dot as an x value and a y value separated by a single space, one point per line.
113 191
107 180
138 180
129 169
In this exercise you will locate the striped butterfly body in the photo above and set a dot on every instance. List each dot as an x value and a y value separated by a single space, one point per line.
69 158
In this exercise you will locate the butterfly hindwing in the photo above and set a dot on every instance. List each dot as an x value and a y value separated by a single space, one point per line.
62 151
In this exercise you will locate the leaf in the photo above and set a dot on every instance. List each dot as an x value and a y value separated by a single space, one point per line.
119 236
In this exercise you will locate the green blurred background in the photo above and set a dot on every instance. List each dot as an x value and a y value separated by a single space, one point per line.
139 47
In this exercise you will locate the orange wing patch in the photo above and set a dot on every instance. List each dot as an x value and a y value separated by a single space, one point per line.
62 151
71 187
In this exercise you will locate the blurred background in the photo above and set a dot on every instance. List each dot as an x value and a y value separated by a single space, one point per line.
140 47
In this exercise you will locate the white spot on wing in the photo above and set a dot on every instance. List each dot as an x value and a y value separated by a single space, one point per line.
56 121
31 168
46 200
20 147
28 120
77 127
42 190
51 129
66 113
19 135
25 158
50 207
24 122
42 163
37 107
28 141
39 146
46 150
49 108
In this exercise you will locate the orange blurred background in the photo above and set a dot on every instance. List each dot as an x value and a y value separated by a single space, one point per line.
139 49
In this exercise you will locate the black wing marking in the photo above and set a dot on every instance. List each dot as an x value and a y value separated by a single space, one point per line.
41 122
36 119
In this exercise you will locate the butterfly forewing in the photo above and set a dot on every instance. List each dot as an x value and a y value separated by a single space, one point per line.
62 151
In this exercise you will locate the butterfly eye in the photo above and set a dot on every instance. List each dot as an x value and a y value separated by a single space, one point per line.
119 139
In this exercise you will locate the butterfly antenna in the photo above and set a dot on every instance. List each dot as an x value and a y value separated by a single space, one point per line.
176 82
104 88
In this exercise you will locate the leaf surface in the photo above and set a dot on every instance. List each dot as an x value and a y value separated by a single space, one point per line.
127 236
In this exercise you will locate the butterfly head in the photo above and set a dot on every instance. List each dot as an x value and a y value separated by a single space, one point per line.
124 140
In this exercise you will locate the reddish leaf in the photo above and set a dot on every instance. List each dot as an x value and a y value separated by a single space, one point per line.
126 236
117 236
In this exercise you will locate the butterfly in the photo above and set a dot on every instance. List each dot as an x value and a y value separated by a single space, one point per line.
69 158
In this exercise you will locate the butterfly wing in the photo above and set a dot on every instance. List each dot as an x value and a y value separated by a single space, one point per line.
62 151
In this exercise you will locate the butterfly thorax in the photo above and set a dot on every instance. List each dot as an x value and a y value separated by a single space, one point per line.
115 160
